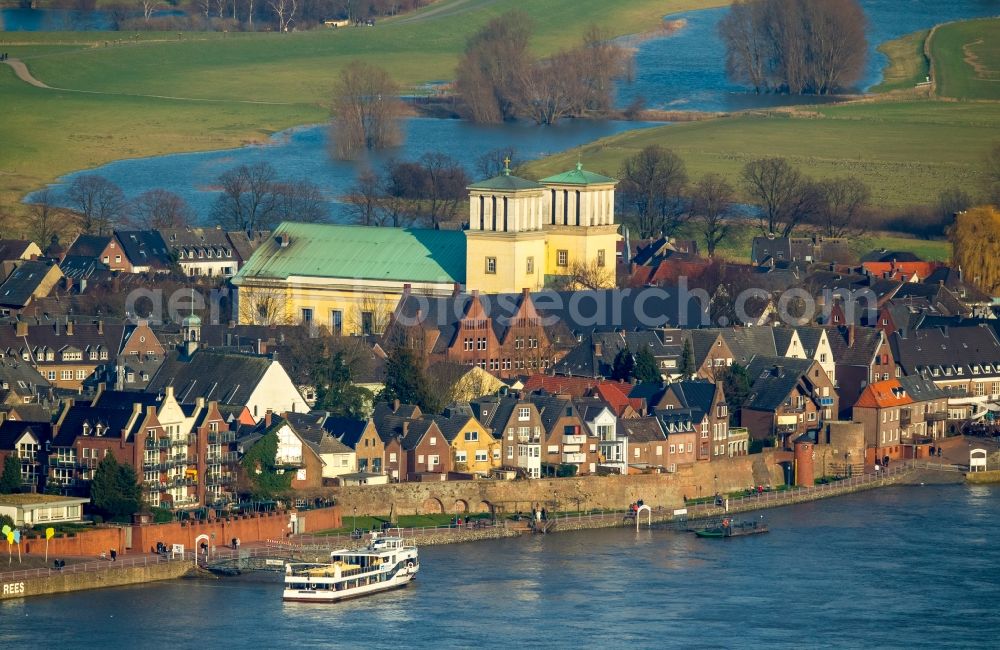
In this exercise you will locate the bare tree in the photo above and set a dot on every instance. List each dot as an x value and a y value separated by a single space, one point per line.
44 217
148 7
264 305
785 197
99 202
494 65
843 207
247 201
299 201
492 162
446 183
371 315
364 199
284 10
651 186
159 208
795 46
366 110
712 201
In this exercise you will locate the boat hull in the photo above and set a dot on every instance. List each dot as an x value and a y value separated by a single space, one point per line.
333 596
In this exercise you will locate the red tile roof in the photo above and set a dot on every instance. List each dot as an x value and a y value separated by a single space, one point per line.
883 394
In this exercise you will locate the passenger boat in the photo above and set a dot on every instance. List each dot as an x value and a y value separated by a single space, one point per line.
387 562
730 528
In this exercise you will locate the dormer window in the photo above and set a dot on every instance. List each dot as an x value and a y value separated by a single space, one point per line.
25 356
50 356
93 355
104 355
99 430
86 429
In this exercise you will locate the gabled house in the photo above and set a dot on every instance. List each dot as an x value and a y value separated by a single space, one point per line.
28 281
257 382
146 251
900 412
104 248
683 432
569 449
647 445
708 411
517 423
602 423
337 458
474 450
815 345
19 249
29 442
363 438
787 398
861 356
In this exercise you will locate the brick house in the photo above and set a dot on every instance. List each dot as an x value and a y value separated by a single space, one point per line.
898 412
566 440
861 356
709 413
787 398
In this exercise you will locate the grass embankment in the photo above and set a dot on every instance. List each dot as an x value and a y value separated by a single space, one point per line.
966 59
907 66
47 133
906 151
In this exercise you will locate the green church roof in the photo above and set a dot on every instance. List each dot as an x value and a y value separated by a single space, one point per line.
359 252
506 183
578 176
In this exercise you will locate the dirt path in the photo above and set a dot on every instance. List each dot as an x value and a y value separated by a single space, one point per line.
25 75
445 9
22 73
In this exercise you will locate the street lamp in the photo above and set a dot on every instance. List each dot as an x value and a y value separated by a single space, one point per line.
355 527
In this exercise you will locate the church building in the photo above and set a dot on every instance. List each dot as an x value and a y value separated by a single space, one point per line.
521 235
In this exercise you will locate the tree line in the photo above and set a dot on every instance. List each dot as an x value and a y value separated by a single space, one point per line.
252 197
795 46
499 79
236 15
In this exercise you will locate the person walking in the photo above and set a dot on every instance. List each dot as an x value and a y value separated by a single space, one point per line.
114 555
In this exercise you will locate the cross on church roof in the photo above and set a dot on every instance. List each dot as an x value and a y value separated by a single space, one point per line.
506 166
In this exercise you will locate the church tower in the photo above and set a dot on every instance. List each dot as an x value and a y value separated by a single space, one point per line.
580 224
505 242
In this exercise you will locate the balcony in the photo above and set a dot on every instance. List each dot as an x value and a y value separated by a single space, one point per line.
225 458
62 461
222 437
219 479
179 481
574 458
288 461
574 439
936 416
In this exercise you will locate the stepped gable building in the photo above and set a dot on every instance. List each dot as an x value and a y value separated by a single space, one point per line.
520 235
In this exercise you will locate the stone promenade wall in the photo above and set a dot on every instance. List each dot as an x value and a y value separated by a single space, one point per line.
55 583
565 494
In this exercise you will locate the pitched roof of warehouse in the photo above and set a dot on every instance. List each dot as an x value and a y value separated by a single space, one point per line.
362 252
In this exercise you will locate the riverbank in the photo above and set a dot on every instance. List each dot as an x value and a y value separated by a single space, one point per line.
93 575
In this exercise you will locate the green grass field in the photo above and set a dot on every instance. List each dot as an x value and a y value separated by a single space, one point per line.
967 59
908 152
46 133
907 64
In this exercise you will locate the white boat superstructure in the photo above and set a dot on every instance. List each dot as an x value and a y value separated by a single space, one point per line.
387 562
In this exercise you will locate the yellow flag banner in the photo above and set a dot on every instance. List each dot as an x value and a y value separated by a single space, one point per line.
10 537
50 533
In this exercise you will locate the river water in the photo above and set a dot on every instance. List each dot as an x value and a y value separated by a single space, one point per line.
908 567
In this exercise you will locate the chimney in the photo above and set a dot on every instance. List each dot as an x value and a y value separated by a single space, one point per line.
850 335
169 392
779 371
57 326
100 327
406 427
21 328
267 418
395 405
456 290
283 240
232 324
69 327
598 349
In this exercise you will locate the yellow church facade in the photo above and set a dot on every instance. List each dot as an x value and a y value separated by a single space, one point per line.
521 235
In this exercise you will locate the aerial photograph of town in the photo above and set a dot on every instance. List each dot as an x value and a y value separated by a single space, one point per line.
500 323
